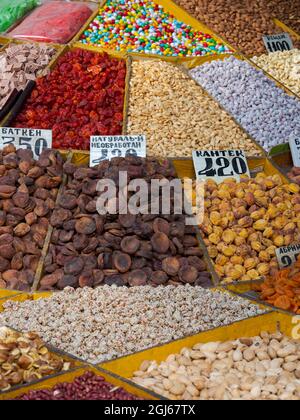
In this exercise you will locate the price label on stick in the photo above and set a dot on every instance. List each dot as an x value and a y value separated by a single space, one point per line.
295 150
278 42
287 255
107 147
220 165
26 138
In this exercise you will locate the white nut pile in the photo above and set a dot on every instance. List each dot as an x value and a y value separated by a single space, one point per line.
283 66
177 116
261 368
109 322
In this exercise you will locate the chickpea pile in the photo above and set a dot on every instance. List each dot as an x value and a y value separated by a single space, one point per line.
245 222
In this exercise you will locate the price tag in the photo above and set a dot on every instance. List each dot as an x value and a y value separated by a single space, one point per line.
278 42
295 150
219 165
26 138
287 255
108 147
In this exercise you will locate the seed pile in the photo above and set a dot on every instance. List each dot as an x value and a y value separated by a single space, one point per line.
245 222
283 66
264 110
266 367
28 191
108 322
89 387
89 249
177 116
240 22
24 359
21 63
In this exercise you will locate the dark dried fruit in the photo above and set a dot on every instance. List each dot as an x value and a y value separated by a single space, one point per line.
85 225
86 280
122 262
22 229
137 278
127 220
160 243
68 201
159 277
188 274
161 226
171 266
130 245
7 251
74 266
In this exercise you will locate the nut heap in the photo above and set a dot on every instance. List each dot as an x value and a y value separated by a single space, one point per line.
287 11
83 96
177 123
86 387
294 175
245 223
108 322
266 367
242 23
133 250
28 191
283 66
24 359
262 108
282 289
21 63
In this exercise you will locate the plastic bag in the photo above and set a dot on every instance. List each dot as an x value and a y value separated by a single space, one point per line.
11 11
54 21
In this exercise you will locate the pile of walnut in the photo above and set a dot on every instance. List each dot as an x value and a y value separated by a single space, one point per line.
245 222
89 249
260 368
28 191
24 359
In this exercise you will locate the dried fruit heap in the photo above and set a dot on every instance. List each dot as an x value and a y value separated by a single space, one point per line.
28 190
283 289
24 359
81 97
88 249
245 223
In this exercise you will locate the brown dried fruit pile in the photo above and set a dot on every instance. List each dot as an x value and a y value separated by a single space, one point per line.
28 190
24 359
125 250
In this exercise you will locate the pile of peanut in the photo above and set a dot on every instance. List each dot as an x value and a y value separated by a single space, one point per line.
266 367
283 66
176 114
245 222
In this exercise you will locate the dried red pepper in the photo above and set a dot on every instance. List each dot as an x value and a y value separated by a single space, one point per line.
81 97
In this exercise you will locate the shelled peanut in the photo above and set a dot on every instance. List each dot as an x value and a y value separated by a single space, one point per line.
28 190
24 359
245 222
176 114
266 367
282 289
294 175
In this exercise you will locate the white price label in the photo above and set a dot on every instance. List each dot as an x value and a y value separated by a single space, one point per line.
295 150
108 147
278 42
287 255
220 165
26 138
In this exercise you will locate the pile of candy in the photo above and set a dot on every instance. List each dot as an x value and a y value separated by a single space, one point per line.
81 97
145 27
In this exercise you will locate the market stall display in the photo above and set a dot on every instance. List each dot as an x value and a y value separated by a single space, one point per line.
25 358
262 367
264 110
82 96
245 223
89 386
20 63
177 115
11 12
53 21
283 66
294 175
240 22
28 190
91 328
144 26
90 249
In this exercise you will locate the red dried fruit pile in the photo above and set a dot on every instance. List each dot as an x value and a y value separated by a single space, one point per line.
81 97
86 387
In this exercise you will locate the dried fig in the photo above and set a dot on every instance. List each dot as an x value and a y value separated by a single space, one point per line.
160 243
85 225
